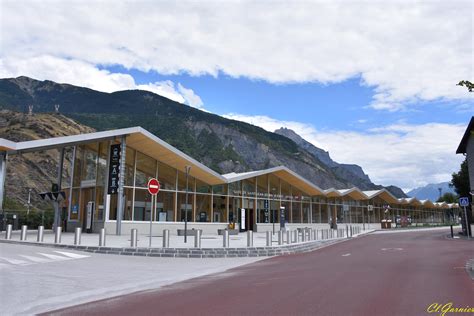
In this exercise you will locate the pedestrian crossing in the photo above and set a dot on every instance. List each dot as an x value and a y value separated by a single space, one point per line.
38 258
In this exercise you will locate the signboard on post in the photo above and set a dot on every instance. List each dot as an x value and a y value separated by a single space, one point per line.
370 208
266 212
114 169
153 186
464 201
242 219
282 218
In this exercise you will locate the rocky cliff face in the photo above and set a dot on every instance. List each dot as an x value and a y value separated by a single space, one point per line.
349 173
35 171
255 156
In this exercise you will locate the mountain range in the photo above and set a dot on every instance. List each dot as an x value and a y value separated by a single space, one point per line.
431 191
222 144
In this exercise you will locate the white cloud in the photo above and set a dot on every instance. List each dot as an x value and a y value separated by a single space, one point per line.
164 88
84 74
191 98
401 154
406 50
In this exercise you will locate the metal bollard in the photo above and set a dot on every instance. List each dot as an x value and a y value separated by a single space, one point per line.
133 238
166 238
288 237
280 238
303 235
102 237
225 239
57 235
295 236
347 231
310 234
39 238
197 239
8 232
249 238
24 230
77 236
269 238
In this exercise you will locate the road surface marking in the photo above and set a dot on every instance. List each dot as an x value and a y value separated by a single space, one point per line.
346 255
15 261
72 255
54 257
35 259
392 249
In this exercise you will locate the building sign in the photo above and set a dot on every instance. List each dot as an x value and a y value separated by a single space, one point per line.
242 219
264 195
114 169
282 218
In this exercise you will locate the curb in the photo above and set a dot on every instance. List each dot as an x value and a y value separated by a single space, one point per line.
194 252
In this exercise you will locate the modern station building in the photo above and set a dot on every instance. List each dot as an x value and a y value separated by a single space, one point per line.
107 180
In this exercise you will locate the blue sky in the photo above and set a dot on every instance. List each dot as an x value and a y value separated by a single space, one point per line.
327 106
372 82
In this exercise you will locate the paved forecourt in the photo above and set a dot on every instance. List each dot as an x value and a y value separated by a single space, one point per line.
37 279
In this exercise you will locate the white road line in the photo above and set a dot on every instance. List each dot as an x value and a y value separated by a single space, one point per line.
346 255
15 261
72 255
35 259
54 257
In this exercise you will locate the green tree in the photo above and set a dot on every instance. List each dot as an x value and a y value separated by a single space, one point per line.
469 85
460 180
448 197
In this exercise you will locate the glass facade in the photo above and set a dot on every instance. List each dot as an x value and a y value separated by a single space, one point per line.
262 197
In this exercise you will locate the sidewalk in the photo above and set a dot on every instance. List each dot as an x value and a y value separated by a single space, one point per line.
211 245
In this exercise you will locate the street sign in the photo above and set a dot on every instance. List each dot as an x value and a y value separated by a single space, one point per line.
370 207
153 186
464 201
114 169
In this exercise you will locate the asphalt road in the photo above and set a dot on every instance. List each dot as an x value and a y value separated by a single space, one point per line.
379 274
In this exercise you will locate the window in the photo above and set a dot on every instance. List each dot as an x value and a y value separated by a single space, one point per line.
146 169
166 176
142 205
165 206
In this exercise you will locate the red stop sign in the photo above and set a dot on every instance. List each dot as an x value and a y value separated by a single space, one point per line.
153 186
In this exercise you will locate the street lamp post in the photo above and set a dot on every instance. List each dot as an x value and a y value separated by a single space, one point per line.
29 201
187 169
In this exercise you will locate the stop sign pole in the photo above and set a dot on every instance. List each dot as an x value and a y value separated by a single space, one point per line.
153 189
